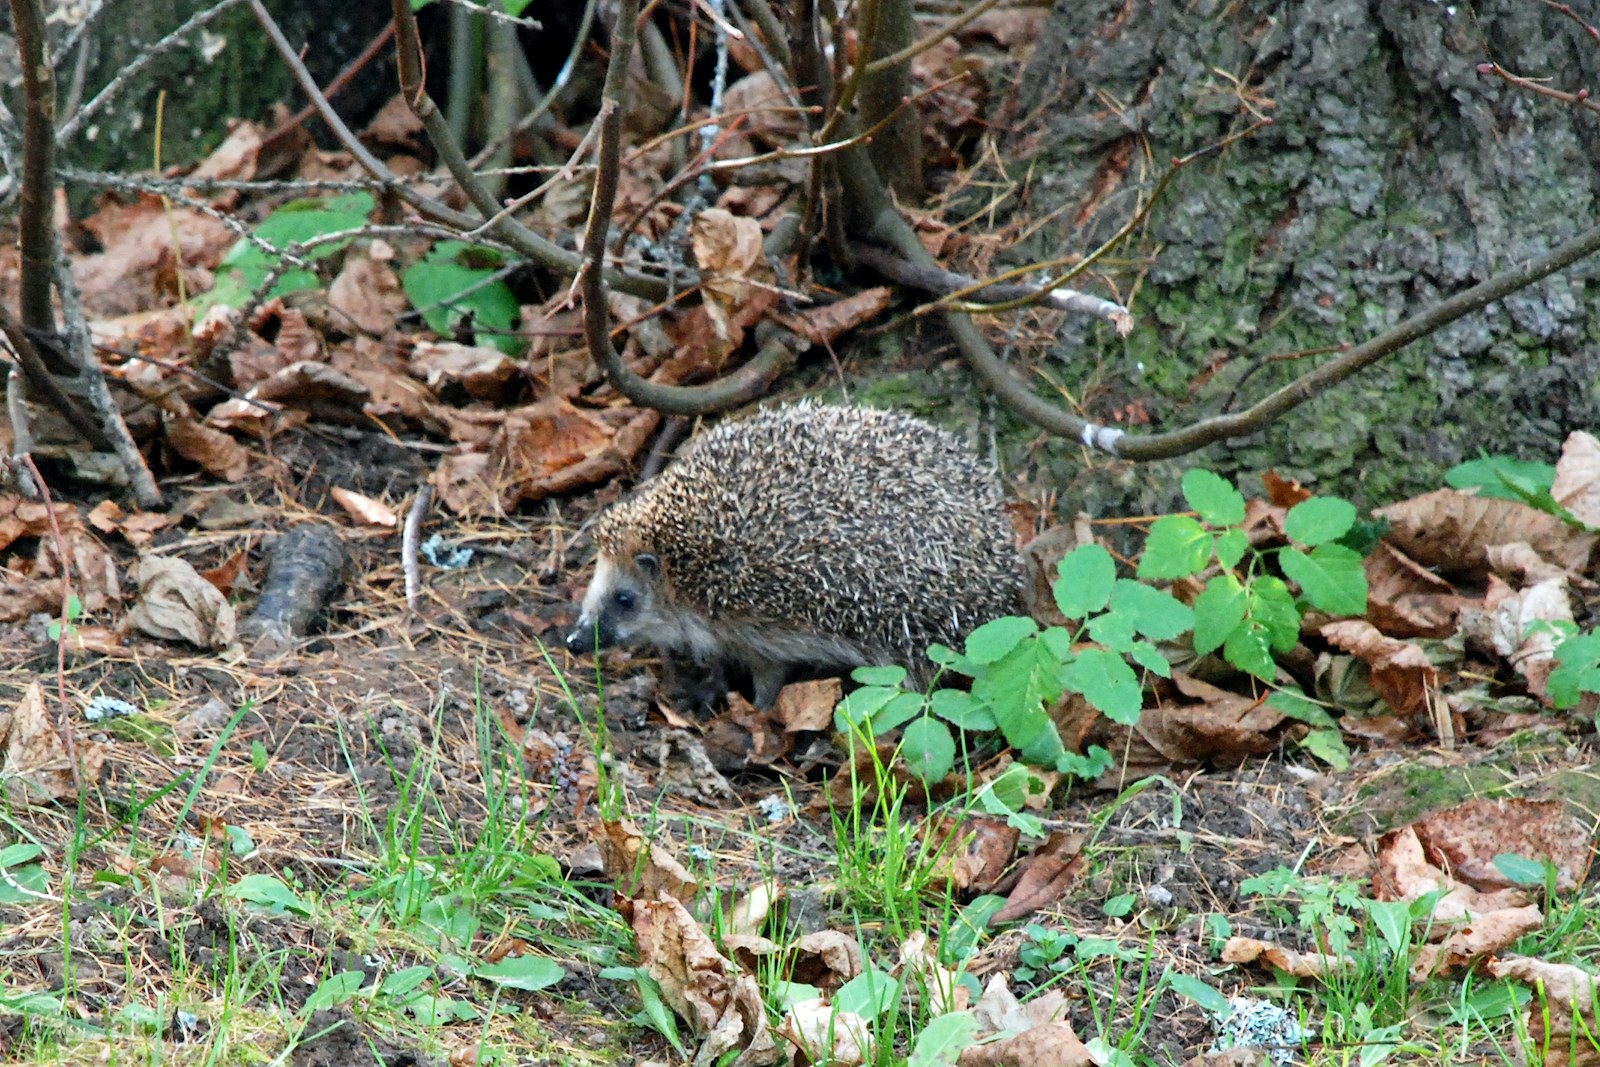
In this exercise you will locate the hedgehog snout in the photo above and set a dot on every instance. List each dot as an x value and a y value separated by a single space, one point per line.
591 635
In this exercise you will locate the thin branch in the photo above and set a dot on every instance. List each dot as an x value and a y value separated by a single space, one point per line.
743 385
953 26
36 223
1581 98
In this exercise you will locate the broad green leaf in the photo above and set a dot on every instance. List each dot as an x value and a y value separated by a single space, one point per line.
1520 869
961 710
1505 477
927 749
1319 520
1232 544
18 854
23 881
521 972
942 1041
335 990
1015 690
1272 607
869 994
1194 989
457 280
1155 613
887 675
860 706
1106 682
1114 630
406 980
1084 586
266 891
1217 502
1247 649
1392 919
1218 611
1177 547
1300 708
1150 658
1331 577
1327 744
993 641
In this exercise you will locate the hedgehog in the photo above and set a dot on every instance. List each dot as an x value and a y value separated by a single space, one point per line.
805 540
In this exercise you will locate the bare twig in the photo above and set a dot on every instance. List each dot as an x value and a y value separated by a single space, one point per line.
63 718
408 544
1580 98
953 26
743 385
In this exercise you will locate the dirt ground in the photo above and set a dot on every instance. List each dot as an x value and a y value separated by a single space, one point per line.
379 705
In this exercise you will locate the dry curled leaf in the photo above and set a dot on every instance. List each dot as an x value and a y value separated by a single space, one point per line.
176 604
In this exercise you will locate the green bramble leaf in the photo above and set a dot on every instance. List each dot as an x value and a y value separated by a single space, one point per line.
927 749
1107 682
1218 611
1232 544
1113 630
993 641
1084 586
1272 607
1155 613
961 710
1177 547
1505 477
1331 577
1577 670
1247 648
1217 502
1319 520
1150 658
1328 746
884 675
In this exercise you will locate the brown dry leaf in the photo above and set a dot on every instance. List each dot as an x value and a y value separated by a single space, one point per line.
823 326
972 852
1224 726
1487 935
1405 599
227 574
1506 621
138 529
1452 531
641 869
1284 492
365 509
1044 876
721 1005
237 158
175 603
1299 964
735 278
141 244
825 959
395 124
803 706
1568 1002
216 453
309 387
1577 482
36 769
1040 1037
1400 673
822 1034
483 373
1403 872
367 295
937 989
769 117
391 390
1467 838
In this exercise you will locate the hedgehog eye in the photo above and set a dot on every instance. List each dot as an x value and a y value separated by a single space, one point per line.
624 599
648 563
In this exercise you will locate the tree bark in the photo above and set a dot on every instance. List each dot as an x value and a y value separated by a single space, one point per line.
1394 175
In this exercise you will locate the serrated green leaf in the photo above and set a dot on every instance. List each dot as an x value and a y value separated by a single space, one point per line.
1328 746
1084 586
942 1041
1177 547
1113 630
1106 682
993 641
1331 577
1150 658
1216 501
1155 613
1247 649
1218 612
884 675
1273 608
1232 544
927 749
1015 691
1319 520
961 710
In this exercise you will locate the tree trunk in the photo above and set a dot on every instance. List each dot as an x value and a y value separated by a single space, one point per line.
1394 174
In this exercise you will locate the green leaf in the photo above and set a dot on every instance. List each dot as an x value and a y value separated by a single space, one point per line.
1194 989
1150 658
856 709
1232 544
1113 630
1520 869
1247 649
1015 690
943 1039
1300 708
993 641
961 710
1177 547
1328 745
1218 611
1273 608
521 972
266 891
869 994
335 990
404 981
1155 613
1106 682
1119 906
1084 586
1392 919
1331 577
1319 520
1504 477
927 749
886 676
24 880
1217 502
450 285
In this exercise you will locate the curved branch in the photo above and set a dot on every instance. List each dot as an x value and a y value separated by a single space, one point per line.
739 387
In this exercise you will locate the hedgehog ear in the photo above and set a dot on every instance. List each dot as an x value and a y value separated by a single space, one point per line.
649 565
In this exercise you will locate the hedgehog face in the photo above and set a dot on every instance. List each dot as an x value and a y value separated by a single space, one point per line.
621 605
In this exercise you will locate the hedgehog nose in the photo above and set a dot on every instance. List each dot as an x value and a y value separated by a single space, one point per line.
581 640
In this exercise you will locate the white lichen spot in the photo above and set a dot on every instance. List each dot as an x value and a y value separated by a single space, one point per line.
211 45
92 133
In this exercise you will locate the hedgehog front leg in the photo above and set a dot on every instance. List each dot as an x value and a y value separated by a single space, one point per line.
768 678
693 684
